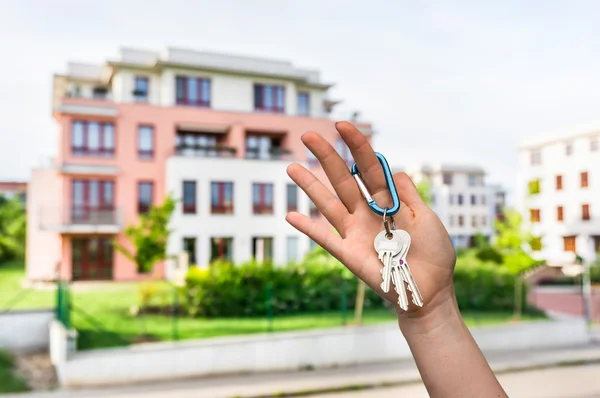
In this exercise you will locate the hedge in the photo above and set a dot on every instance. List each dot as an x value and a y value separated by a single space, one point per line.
224 290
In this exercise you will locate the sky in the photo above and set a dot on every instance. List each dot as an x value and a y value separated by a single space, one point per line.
441 81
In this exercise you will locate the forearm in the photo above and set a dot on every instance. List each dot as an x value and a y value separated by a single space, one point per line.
449 361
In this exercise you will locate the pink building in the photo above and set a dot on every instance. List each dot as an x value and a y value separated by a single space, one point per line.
215 130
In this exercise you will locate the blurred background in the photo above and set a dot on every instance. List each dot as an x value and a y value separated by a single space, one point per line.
143 191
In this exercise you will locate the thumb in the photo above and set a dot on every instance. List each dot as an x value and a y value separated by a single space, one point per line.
408 191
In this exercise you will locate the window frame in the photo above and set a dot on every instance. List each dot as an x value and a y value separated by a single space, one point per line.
261 207
584 179
559 182
306 95
262 91
585 212
291 205
183 97
560 213
146 154
143 208
221 207
138 94
84 150
189 208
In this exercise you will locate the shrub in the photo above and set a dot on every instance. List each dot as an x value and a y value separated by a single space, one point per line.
488 253
227 290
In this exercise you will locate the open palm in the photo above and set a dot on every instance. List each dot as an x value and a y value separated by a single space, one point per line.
431 256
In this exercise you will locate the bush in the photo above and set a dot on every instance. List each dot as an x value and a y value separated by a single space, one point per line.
481 285
488 253
227 290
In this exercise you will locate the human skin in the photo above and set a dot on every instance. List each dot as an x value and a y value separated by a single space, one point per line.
449 361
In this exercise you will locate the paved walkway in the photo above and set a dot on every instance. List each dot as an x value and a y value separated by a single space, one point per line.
309 382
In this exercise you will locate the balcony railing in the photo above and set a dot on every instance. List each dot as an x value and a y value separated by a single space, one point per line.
207 151
274 153
80 218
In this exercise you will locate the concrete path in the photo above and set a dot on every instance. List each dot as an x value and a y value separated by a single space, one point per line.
309 383
560 382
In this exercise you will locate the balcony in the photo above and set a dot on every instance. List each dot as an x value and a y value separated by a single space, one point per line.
78 106
214 151
274 153
82 219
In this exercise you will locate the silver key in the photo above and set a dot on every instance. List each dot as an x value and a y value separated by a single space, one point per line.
387 249
400 262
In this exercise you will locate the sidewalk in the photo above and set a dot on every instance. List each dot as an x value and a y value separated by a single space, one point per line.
318 381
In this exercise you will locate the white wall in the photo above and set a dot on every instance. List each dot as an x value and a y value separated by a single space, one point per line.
289 351
242 225
571 197
229 92
25 331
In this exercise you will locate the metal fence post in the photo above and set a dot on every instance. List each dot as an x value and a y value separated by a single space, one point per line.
269 307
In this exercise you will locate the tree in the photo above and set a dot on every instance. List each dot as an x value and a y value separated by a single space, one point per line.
149 238
424 188
13 227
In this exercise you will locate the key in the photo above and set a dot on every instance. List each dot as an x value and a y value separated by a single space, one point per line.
387 249
400 258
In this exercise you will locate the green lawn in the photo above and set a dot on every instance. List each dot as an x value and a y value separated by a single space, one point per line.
9 381
102 314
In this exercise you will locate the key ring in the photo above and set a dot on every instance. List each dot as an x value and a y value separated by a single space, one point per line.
386 224
391 186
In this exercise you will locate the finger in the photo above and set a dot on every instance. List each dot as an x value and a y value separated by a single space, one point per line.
318 232
330 206
368 164
408 192
336 169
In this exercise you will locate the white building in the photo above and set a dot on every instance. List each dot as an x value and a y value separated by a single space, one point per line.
461 199
559 194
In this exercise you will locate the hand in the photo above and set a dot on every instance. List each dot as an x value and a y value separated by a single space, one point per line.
431 256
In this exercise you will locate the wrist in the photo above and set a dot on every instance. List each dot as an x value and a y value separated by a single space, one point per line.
436 314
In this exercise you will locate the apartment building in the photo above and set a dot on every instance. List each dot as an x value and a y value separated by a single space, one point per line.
13 189
217 131
460 198
559 194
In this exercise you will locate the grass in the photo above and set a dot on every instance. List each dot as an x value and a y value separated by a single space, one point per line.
102 314
9 381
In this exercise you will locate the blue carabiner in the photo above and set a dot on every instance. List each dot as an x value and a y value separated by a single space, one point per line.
390 182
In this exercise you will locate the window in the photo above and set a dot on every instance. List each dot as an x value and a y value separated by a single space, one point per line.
189 246
585 212
93 201
189 197
472 180
584 179
474 221
292 249
262 147
201 144
483 221
447 177
192 91
342 149
536 244
221 249
569 149
451 220
145 196
536 157
313 211
461 220
473 200
262 249
99 92
292 197
534 215
311 158
140 88
559 183
460 199
303 104
451 199
483 200
145 142
262 198
534 187
92 139
221 198
560 215
269 98
569 244
594 144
